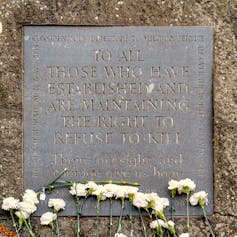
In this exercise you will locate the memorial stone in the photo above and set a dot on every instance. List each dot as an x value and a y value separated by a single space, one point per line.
118 103
220 15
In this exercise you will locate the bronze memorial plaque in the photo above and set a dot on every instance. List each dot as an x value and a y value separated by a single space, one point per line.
118 103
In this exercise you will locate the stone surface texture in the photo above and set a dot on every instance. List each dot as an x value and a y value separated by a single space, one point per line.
220 14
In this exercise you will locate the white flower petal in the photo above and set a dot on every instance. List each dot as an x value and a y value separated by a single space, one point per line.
30 196
22 214
78 190
157 223
91 185
186 183
199 196
57 203
173 184
140 200
185 235
170 223
26 206
119 235
10 203
47 218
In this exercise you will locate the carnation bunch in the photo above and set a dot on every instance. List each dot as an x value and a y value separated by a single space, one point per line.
151 203
22 210
108 190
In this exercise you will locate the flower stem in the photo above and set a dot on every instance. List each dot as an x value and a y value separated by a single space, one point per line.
208 222
118 182
78 226
79 209
97 218
150 216
79 206
131 223
50 185
143 224
61 184
110 217
160 227
58 177
188 224
161 234
29 229
29 222
52 229
14 223
172 209
57 227
120 217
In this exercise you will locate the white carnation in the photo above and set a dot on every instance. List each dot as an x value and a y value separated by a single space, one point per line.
120 235
91 185
186 184
158 223
22 214
157 203
130 190
185 235
170 227
121 192
10 203
151 196
47 218
111 189
173 184
170 223
100 192
26 206
158 207
199 196
30 196
165 202
153 224
57 203
140 200
78 190
108 195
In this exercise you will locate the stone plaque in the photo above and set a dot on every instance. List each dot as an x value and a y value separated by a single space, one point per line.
118 103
